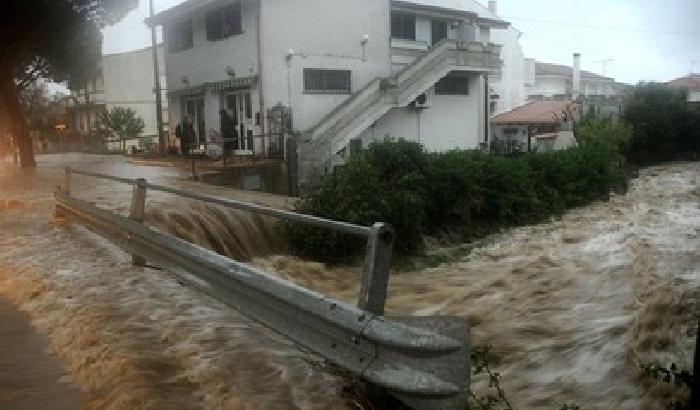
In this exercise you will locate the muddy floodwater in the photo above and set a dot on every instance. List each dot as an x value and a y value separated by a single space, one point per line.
571 306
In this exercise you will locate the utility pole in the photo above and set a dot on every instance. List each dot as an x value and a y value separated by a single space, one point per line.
157 89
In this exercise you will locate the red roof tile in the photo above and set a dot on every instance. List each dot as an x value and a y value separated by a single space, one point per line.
691 81
537 112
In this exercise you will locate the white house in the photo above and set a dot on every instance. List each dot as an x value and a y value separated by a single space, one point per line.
691 84
507 88
545 81
123 80
349 72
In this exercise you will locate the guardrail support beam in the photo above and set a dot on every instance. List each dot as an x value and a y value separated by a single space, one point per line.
375 276
138 212
65 181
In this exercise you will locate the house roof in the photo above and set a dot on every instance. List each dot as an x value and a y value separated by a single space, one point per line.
464 6
537 112
563 70
691 81
468 6
181 9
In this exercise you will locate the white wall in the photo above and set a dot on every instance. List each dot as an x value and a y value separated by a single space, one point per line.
207 60
548 86
129 83
451 122
694 96
323 34
510 85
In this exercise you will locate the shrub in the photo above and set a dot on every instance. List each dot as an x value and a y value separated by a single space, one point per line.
466 192
664 125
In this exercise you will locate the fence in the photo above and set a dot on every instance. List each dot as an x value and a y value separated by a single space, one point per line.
423 361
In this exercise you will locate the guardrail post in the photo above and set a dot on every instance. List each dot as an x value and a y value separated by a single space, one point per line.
65 181
375 276
138 212
695 388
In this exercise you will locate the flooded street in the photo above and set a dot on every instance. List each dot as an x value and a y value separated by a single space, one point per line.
571 307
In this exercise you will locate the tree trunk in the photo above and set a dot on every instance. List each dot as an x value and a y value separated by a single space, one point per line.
18 123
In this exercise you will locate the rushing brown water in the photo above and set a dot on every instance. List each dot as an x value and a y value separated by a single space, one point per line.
571 306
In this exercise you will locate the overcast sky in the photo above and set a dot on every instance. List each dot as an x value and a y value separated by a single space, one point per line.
650 40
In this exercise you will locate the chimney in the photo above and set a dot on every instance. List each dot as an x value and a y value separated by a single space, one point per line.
576 91
493 7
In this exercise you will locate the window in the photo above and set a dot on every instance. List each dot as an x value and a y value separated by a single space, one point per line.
403 26
248 106
317 81
224 22
439 31
455 83
180 36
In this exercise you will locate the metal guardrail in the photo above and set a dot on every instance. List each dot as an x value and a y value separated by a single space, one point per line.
423 361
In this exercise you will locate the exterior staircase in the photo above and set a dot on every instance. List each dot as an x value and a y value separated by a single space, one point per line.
346 122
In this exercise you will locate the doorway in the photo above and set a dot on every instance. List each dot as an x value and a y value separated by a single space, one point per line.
241 136
194 114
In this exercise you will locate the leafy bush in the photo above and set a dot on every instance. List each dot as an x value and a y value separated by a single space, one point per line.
665 127
466 192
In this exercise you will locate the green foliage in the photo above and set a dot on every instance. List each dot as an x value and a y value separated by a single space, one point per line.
123 122
470 193
664 125
483 359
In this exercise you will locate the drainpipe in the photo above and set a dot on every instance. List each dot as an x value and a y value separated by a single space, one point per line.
487 117
261 95
158 91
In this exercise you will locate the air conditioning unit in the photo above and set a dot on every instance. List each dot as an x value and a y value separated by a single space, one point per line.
423 101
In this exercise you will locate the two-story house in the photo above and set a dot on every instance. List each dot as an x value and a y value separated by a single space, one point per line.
350 72
122 80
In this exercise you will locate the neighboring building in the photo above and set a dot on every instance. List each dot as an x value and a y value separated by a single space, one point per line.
546 81
349 72
123 80
508 87
691 84
535 126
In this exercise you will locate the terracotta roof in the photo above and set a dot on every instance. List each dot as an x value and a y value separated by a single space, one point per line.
691 81
536 112
558 69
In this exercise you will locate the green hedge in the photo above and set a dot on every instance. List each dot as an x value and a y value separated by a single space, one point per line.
470 193
665 126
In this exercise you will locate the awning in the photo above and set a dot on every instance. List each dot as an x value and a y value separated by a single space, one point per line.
233 83
230 84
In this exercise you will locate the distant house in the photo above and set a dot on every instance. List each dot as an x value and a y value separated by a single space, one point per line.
535 126
123 80
691 84
347 72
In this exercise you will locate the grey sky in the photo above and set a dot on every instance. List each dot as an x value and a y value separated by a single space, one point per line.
648 39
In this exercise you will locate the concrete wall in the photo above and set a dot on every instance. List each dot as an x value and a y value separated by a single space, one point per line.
550 85
510 85
451 121
128 81
322 34
207 60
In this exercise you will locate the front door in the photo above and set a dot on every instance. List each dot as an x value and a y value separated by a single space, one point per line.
239 107
194 115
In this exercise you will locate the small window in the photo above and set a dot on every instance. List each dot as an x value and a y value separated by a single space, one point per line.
453 84
248 107
180 37
224 22
439 31
403 26
327 81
